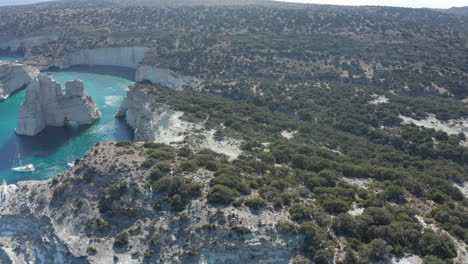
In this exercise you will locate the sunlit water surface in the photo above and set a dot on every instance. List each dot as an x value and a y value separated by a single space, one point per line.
51 150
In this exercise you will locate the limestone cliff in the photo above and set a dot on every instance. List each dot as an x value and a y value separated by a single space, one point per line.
161 76
123 57
156 122
46 105
15 76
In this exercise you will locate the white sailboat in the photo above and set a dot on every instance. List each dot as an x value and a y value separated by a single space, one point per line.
70 163
26 168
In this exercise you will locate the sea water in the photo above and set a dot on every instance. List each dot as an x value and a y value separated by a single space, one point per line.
52 149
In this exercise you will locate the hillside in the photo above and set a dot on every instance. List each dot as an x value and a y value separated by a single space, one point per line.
407 50
285 133
462 11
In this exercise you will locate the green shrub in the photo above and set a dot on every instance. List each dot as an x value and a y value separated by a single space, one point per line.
209 227
241 230
220 194
156 240
189 165
121 239
123 144
91 250
286 227
255 204
436 245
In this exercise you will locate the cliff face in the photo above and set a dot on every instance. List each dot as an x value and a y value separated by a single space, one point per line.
129 57
46 105
15 76
163 77
123 57
156 122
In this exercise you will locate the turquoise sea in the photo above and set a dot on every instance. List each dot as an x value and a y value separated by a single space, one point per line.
54 147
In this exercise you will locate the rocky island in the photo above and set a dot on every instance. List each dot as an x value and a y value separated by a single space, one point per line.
46 105
15 76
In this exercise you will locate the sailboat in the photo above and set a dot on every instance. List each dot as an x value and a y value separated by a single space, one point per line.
69 163
26 168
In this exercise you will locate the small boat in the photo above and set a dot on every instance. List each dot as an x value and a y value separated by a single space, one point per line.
21 168
27 168
71 164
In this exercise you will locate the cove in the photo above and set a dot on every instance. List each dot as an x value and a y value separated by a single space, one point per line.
54 147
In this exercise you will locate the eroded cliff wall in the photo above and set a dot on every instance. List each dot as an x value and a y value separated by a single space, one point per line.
123 57
15 76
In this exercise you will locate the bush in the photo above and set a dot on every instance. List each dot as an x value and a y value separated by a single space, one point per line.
335 205
232 182
255 204
436 245
156 240
380 250
148 163
121 240
91 250
184 151
123 144
300 212
220 194
241 230
286 227
189 165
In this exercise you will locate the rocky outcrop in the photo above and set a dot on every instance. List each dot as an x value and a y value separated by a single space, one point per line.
128 57
15 76
144 115
160 76
46 105
156 122
62 220
451 127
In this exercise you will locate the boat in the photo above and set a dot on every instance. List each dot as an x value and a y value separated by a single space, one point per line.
21 168
70 162
27 168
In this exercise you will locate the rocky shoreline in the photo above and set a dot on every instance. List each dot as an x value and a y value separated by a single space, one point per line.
56 220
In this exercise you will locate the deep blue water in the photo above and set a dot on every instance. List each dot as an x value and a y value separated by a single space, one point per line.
54 147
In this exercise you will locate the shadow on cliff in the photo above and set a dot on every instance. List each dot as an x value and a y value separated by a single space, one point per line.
48 142
122 72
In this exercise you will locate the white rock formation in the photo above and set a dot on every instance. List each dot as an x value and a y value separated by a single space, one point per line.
156 122
46 105
15 76
123 57
163 77
451 127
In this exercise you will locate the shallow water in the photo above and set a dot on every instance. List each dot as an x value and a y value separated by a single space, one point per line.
54 147
11 58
